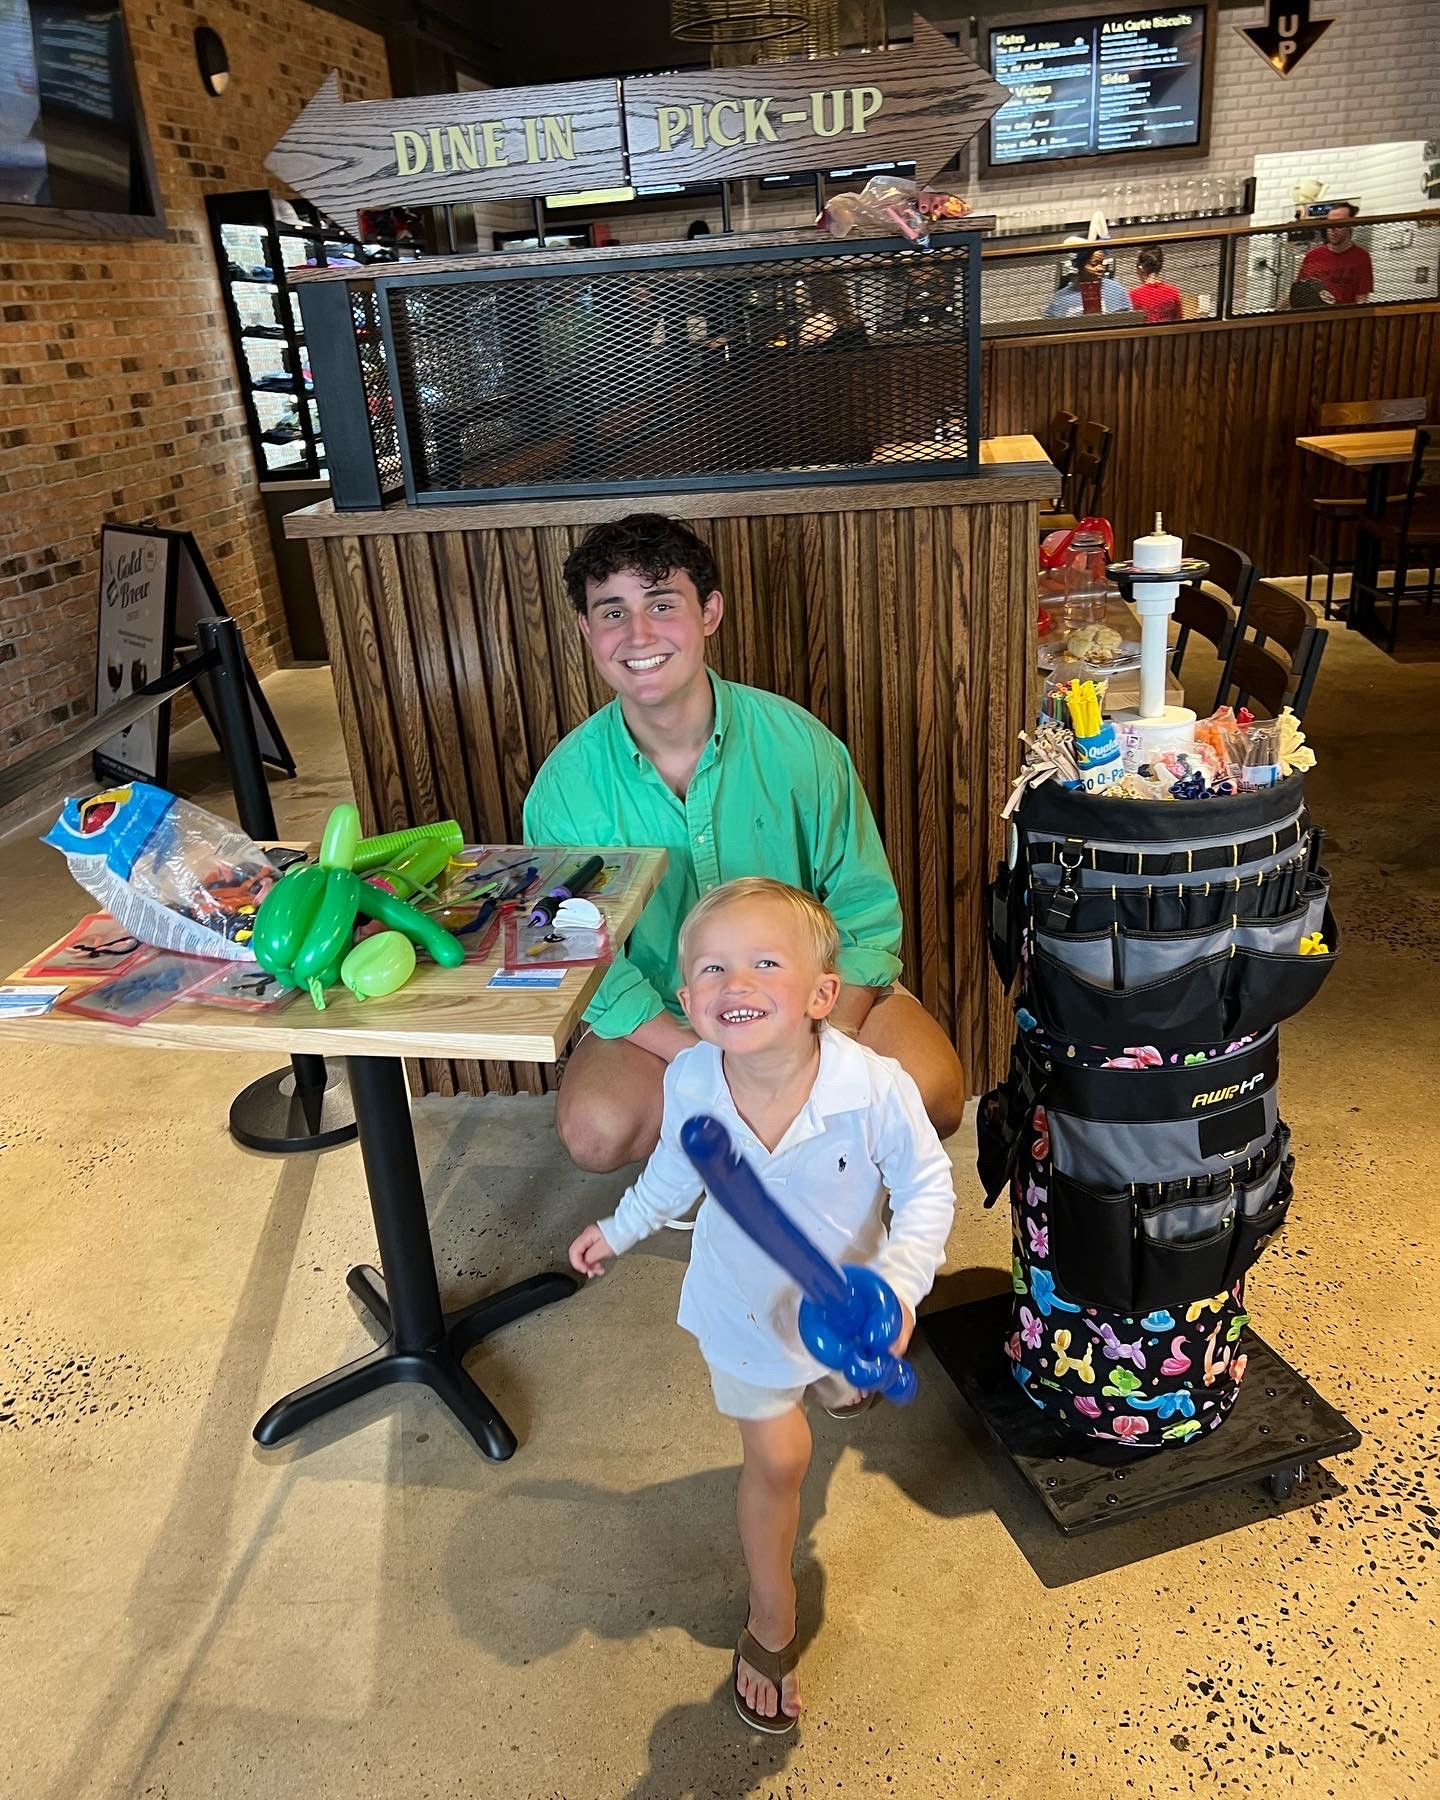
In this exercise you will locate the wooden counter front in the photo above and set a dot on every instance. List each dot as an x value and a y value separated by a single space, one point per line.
902 615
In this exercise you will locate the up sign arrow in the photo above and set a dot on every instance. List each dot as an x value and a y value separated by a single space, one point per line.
1288 32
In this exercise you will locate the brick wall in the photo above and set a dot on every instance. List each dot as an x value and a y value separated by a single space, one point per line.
1373 78
118 396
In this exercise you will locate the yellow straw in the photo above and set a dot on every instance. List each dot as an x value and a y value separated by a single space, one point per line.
1084 708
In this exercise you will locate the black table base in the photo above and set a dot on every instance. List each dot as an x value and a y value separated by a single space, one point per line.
1277 1427
304 1107
423 1343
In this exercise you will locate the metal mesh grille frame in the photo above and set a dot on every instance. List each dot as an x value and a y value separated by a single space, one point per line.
704 370
379 400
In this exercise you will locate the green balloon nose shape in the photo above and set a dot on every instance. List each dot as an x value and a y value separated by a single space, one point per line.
378 965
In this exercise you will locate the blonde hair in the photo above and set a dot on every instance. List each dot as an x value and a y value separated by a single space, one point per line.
817 927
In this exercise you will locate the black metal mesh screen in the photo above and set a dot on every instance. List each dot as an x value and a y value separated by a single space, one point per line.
379 401
583 377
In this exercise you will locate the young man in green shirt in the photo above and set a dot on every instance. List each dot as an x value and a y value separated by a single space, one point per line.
731 781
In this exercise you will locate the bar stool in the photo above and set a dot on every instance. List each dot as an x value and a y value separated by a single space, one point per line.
1333 514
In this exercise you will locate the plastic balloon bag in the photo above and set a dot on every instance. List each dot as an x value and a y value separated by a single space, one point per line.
167 872
887 204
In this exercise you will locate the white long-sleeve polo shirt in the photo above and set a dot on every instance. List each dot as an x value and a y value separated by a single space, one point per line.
862 1131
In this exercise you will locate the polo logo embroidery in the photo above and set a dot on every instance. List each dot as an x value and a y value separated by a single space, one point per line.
842 1166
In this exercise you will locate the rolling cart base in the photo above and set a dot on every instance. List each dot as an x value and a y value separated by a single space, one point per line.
1279 1426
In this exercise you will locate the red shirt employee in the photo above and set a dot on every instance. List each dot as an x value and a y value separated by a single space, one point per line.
1159 302
1339 264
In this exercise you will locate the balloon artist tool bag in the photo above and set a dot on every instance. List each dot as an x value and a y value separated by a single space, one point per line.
1157 946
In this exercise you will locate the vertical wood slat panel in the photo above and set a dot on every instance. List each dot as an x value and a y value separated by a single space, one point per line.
910 633
1206 420
385 787
472 690
397 654
342 646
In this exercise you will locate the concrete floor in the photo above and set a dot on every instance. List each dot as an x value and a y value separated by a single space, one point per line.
375 1611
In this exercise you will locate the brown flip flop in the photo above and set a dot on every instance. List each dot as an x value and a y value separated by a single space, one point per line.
854 1409
774 1665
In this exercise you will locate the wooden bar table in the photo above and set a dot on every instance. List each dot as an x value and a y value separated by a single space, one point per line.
438 1013
1373 453
902 614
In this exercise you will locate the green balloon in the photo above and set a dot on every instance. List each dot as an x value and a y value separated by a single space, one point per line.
378 965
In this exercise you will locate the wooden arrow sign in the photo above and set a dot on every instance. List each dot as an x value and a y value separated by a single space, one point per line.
919 104
1286 35
444 149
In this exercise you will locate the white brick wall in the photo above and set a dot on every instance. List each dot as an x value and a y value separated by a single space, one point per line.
1373 78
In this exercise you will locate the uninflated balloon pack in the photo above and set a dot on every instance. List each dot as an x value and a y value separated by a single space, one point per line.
165 870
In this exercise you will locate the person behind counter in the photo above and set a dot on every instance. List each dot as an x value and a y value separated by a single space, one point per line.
1340 264
730 781
1160 303
1089 289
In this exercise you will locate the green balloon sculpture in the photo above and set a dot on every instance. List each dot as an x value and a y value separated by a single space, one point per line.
306 924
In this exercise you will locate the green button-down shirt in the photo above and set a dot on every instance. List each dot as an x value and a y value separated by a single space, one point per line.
774 793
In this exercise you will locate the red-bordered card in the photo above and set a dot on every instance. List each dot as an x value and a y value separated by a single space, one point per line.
96 946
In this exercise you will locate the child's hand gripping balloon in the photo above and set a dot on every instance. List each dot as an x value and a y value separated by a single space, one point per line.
849 1317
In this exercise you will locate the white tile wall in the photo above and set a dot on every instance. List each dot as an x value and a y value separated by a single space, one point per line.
1373 78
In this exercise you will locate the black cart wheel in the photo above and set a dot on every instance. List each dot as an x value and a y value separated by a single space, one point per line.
1282 1482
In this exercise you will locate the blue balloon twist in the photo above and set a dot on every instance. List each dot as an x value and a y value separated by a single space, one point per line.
849 1317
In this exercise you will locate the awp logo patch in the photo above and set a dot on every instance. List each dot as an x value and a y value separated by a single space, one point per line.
1232 1092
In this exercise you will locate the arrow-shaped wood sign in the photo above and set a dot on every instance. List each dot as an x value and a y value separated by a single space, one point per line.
919 104
1288 32
439 149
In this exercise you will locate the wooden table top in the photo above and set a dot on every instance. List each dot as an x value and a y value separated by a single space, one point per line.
438 1013
1362 449
1020 449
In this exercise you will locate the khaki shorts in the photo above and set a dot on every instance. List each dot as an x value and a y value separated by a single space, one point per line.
738 1399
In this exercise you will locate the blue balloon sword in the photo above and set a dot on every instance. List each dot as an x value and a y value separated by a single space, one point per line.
848 1317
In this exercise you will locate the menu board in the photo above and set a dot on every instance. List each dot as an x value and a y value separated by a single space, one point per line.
1098 86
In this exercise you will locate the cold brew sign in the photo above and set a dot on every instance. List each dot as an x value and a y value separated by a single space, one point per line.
133 646
919 104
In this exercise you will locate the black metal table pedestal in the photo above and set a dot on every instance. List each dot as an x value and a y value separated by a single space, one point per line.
304 1107
423 1342
1360 615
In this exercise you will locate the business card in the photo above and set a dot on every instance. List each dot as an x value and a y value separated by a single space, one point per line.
526 978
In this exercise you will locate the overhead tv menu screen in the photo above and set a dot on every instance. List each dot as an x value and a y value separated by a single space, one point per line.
1098 86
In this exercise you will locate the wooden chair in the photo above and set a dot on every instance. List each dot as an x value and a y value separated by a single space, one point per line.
1215 609
1274 661
1089 460
1409 536
1059 447
1333 514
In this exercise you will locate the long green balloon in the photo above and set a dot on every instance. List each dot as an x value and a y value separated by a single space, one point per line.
420 928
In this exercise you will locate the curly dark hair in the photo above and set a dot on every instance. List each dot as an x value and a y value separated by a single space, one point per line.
1151 260
649 545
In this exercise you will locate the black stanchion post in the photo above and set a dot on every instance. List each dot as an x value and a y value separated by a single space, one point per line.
236 723
302 1107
